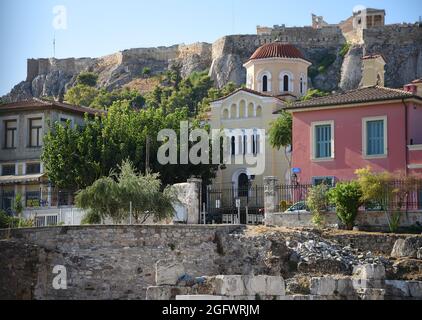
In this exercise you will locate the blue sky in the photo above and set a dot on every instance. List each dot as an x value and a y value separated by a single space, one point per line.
100 27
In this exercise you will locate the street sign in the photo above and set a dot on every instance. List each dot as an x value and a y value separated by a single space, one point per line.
296 170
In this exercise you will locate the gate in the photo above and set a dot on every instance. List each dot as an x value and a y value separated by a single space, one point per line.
230 205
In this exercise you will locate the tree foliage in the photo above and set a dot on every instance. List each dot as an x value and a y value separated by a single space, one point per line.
318 203
281 131
83 95
347 198
75 157
87 79
110 197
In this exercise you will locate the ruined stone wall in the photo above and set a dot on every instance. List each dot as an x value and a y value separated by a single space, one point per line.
103 262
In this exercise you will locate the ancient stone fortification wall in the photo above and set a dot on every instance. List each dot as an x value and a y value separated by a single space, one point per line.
103 262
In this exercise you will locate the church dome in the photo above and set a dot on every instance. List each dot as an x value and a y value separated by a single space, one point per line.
277 50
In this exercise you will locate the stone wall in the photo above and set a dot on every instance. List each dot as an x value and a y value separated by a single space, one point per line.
102 262
364 220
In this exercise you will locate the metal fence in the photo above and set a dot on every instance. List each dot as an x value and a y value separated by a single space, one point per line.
229 204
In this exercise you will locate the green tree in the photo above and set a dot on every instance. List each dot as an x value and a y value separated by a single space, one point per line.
314 93
110 197
75 157
280 133
87 79
146 72
81 95
347 198
318 203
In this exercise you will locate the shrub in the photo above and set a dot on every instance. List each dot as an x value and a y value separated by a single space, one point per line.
317 202
87 79
347 197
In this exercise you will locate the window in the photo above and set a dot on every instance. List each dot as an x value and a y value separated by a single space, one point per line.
286 83
35 132
233 146
7 199
10 136
329 181
33 168
245 144
264 83
8 170
243 183
375 137
33 199
323 140
420 200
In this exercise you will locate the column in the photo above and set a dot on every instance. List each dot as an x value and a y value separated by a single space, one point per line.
271 197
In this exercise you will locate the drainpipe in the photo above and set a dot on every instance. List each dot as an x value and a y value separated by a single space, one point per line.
406 137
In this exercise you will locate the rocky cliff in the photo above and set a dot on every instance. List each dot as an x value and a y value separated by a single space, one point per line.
332 69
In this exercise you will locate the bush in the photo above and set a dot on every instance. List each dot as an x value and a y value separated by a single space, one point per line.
347 197
317 202
87 79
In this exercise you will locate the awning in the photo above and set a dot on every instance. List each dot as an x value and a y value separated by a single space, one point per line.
21 179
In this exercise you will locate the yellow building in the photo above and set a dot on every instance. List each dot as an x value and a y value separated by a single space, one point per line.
276 72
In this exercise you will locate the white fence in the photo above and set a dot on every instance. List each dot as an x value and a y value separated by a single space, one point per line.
52 217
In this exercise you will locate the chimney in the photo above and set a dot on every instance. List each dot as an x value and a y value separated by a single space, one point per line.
373 71
414 87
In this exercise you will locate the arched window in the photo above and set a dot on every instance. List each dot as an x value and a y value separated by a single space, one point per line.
225 114
233 146
243 184
242 109
264 83
250 110
302 84
259 111
286 83
254 144
233 111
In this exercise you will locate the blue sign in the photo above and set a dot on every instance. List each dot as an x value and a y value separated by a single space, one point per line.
296 170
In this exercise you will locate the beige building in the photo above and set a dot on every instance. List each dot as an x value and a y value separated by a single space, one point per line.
276 72
22 129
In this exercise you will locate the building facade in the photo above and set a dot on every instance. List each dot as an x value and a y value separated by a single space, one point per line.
276 73
22 129
372 126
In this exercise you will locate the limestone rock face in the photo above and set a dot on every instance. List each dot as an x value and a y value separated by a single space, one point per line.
168 272
401 45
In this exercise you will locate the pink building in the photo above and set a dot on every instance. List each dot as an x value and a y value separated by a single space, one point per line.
371 126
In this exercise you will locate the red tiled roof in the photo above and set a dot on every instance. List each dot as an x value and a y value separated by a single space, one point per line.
277 50
362 95
36 103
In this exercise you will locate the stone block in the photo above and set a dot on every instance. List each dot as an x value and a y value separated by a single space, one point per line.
166 292
397 288
371 294
323 286
332 287
369 272
230 285
168 272
200 297
415 289
264 285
